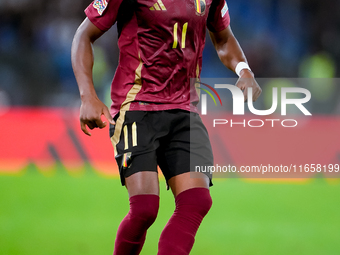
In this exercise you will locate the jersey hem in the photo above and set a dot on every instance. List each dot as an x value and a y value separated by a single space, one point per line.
135 106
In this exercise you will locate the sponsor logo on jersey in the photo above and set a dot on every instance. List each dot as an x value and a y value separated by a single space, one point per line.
159 6
100 6
224 9
200 6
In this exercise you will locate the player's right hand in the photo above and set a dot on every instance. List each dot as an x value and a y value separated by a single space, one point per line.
91 111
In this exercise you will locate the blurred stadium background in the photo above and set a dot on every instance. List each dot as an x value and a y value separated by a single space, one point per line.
59 191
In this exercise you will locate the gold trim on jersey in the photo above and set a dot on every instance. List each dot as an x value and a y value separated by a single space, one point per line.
197 83
130 97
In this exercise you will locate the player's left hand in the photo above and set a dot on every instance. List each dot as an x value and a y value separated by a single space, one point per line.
246 81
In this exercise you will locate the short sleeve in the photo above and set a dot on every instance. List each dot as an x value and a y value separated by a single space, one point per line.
103 13
218 18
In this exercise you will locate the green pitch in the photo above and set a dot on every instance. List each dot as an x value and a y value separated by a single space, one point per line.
79 214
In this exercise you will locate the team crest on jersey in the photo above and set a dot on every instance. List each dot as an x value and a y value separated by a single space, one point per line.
200 6
100 6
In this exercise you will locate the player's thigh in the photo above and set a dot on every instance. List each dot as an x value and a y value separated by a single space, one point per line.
144 182
187 146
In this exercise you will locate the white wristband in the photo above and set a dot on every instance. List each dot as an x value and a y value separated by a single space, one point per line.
240 66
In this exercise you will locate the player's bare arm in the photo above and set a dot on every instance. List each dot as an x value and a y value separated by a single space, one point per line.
91 108
230 53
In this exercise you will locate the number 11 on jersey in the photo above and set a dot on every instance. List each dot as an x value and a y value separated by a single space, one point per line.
184 33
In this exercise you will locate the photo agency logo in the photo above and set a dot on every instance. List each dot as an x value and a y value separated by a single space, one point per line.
239 105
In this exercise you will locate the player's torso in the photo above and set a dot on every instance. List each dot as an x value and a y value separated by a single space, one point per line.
169 40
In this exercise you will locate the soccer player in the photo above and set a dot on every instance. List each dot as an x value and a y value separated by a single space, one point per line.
153 111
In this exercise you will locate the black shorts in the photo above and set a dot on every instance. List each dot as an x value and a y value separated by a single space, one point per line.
175 140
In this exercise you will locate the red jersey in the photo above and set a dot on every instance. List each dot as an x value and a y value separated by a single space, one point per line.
160 50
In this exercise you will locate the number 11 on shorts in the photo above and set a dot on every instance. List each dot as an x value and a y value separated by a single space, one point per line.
133 133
